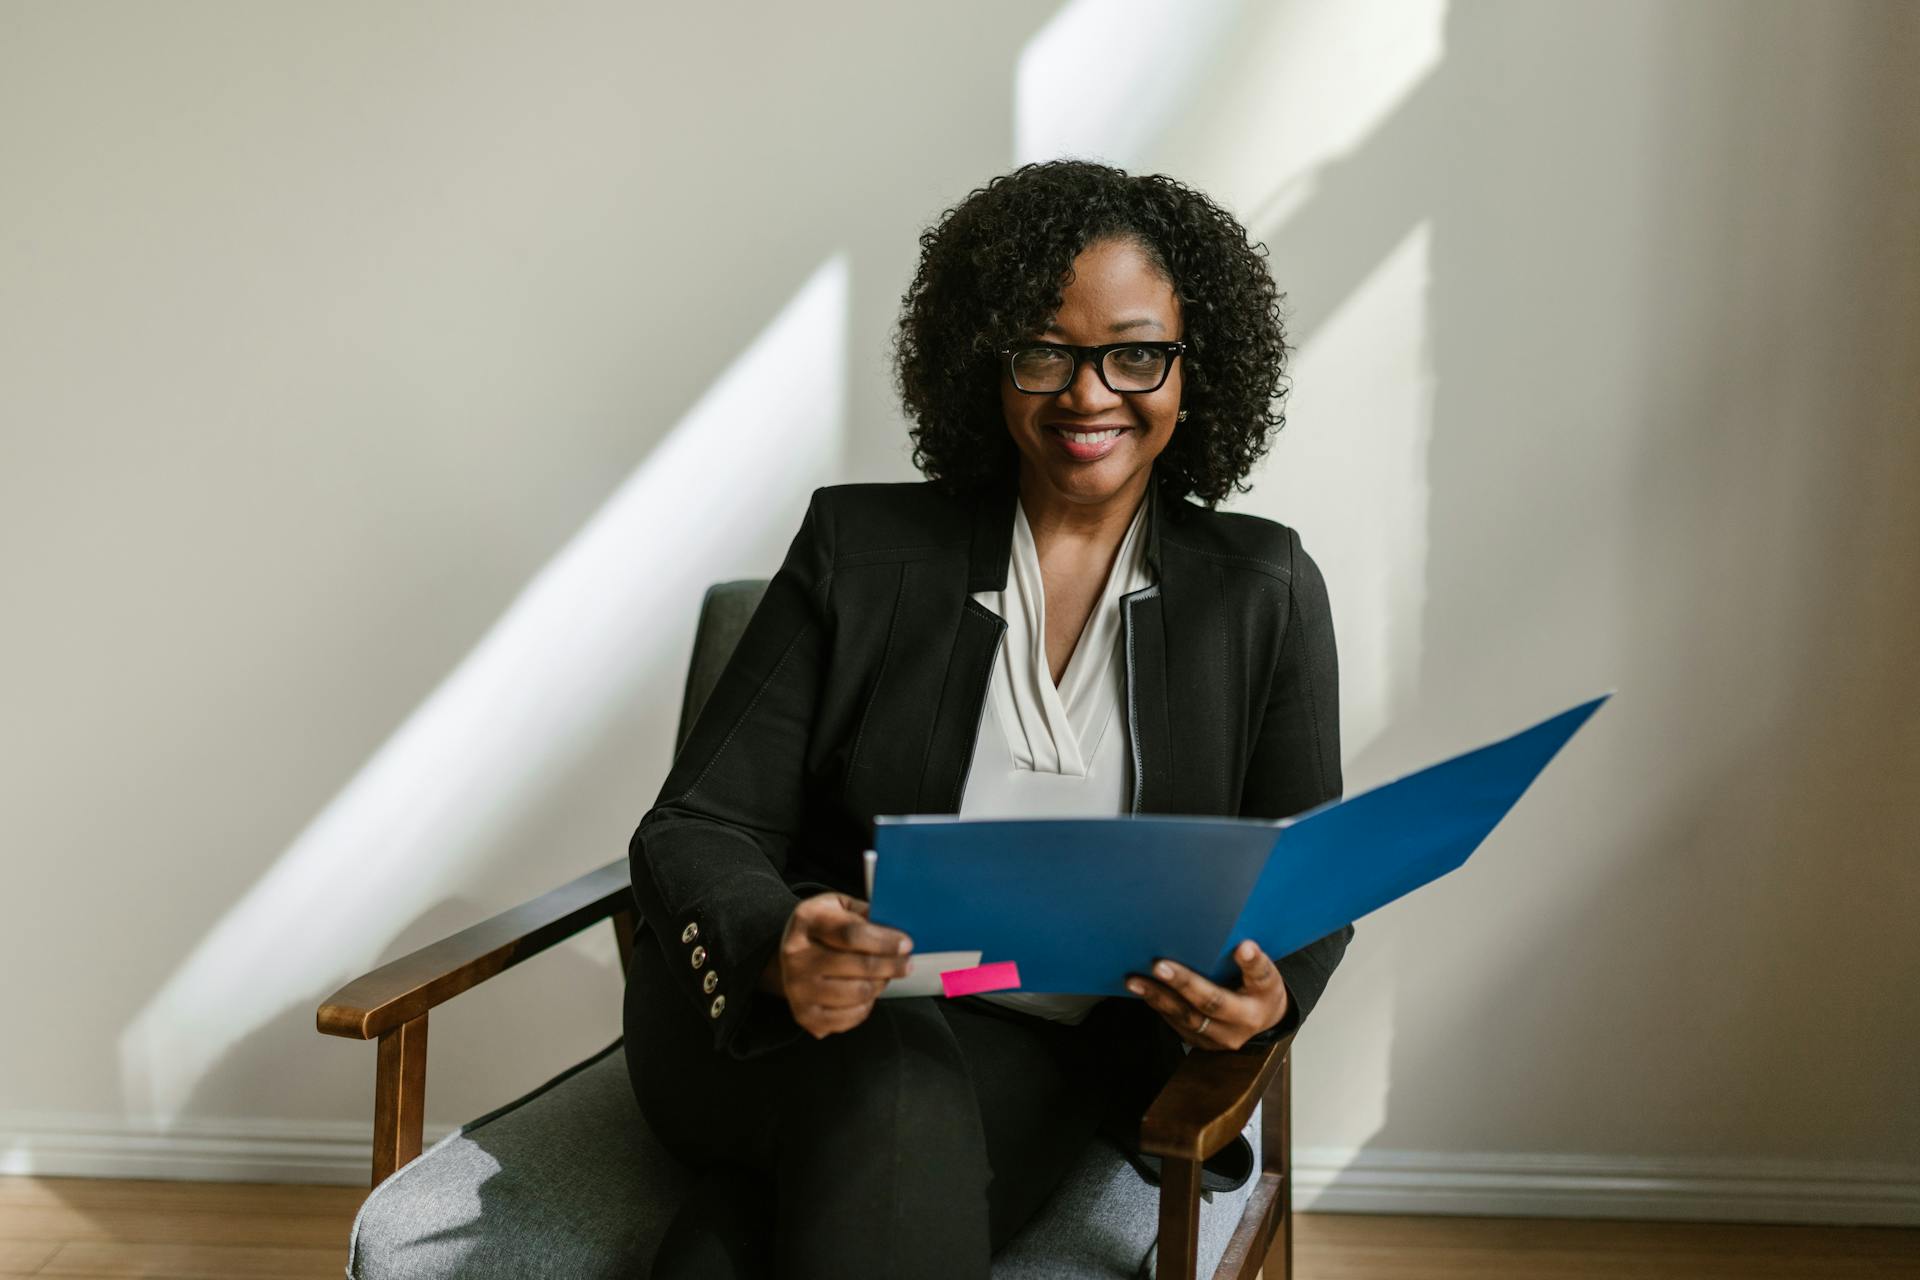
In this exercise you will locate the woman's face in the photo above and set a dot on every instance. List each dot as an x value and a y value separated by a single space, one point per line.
1116 294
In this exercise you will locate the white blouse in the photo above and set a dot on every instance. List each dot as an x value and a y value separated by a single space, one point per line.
1044 751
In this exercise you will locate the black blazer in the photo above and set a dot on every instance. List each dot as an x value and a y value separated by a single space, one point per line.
857 689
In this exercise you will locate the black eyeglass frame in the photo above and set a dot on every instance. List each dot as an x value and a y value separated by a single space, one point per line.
1172 350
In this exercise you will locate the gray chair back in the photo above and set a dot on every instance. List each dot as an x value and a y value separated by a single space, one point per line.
724 613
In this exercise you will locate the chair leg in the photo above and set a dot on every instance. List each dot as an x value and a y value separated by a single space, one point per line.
1275 1240
399 1097
1286 1168
1179 1219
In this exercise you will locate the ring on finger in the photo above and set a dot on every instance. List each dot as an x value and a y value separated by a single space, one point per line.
1203 1025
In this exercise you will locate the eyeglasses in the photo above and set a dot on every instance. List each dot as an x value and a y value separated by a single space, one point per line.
1048 368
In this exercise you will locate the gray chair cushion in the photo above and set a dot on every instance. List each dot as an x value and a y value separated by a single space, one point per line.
567 1182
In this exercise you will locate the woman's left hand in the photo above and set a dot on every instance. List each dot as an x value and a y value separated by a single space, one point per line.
1209 1016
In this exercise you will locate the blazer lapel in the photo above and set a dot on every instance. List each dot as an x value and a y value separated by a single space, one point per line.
975 641
1143 614
962 704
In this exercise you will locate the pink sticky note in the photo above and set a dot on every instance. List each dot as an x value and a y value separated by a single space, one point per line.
984 977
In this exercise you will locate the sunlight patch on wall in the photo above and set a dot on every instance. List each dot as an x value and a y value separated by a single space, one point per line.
1106 77
1307 83
725 488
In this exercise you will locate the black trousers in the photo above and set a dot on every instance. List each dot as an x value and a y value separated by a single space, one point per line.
916 1144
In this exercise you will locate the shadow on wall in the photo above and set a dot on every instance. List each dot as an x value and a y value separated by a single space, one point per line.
1671 451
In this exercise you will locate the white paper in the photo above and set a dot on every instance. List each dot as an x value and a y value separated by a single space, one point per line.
924 978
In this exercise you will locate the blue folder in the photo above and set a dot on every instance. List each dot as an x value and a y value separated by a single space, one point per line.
1079 903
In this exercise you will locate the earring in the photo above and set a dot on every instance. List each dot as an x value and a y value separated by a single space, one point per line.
1182 416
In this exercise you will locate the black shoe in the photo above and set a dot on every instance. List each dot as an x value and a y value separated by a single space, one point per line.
1226 1170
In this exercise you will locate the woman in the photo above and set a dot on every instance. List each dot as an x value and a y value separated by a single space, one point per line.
1049 624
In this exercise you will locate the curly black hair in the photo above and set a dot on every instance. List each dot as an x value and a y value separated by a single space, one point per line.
992 270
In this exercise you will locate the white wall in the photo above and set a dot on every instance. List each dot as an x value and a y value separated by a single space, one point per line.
353 359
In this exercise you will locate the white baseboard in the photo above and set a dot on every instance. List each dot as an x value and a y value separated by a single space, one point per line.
1327 1180
339 1152
1333 1180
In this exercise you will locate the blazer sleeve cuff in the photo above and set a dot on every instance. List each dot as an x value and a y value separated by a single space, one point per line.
763 1023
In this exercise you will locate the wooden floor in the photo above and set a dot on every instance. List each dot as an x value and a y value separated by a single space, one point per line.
87 1227
1351 1246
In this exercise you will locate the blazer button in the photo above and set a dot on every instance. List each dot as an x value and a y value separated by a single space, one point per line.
719 1003
711 981
689 933
699 956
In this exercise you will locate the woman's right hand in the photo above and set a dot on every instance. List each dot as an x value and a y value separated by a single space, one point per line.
832 963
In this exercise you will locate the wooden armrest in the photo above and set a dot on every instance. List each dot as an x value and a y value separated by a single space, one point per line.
402 990
1209 1100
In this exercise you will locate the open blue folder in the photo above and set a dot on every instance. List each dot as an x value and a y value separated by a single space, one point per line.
1079 903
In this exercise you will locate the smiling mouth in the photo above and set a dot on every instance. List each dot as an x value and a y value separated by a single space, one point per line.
1095 435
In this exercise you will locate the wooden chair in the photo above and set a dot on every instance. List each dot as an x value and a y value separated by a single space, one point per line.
1209 1101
